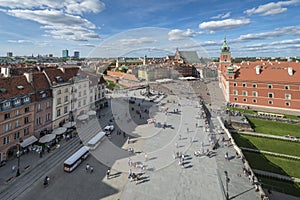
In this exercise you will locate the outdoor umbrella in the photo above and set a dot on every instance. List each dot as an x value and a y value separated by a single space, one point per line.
47 138
59 130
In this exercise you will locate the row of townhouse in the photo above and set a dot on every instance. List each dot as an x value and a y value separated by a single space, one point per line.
35 103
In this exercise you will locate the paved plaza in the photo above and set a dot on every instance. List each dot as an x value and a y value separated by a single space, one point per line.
151 150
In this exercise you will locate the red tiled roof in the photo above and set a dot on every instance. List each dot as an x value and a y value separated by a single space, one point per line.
40 81
68 73
10 85
269 72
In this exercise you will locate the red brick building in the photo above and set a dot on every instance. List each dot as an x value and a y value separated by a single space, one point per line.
260 84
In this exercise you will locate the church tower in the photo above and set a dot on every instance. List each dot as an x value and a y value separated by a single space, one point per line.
225 56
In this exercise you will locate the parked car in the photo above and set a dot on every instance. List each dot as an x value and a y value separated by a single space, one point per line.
108 129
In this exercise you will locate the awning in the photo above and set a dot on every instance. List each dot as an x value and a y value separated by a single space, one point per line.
28 141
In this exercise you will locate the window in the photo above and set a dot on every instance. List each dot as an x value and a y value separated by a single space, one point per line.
271 95
39 107
244 100
58 92
17 135
66 90
288 96
26 131
6 105
58 113
254 100
58 101
48 117
6 140
84 102
65 109
17 112
6 116
244 84
17 123
26 99
287 103
235 98
84 85
91 99
287 87
79 104
26 120
17 102
254 85
91 90
270 102
79 87
48 104
39 121
66 99
254 93
270 86
103 87
84 92
102 94
26 109
245 93
6 127
79 94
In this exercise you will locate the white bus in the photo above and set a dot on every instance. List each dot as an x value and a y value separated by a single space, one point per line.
72 162
96 140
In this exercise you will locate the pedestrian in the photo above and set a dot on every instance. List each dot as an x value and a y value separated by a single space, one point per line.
226 156
196 125
187 129
91 169
87 167
176 144
146 157
179 137
129 162
13 168
237 154
130 173
108 173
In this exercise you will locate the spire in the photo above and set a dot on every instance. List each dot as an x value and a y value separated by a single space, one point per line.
225 47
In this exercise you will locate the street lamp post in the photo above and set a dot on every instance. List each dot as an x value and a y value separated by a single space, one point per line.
227 181
18 156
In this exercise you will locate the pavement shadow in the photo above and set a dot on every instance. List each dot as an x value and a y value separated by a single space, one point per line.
241 193
115 175
188 166
153 158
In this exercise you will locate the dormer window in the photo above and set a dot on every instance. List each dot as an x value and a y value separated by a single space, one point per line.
6 105
26 99
20 87
17 102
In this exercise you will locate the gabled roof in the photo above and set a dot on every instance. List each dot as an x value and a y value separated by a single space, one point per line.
189 56
39 81
57 75
14 86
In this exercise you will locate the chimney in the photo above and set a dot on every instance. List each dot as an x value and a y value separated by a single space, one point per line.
257 69
290 71
28 76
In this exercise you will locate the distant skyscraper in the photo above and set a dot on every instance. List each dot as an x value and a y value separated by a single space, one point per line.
76 54
65 53
9 54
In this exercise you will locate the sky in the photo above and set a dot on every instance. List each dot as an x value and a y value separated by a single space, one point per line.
114 28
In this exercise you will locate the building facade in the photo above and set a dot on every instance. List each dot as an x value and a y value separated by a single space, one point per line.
260 84
16 114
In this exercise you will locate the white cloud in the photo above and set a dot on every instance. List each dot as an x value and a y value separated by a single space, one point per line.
224 24
69 6
19 41
177 34
137 41
222 16
60 19
278 32
271 8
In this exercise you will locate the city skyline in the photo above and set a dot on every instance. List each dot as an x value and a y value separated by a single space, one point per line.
117 28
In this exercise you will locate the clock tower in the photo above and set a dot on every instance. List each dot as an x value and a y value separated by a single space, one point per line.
225 56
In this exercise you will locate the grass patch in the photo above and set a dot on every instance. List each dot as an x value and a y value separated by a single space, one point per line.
273 164
274 128
281 186
272 145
